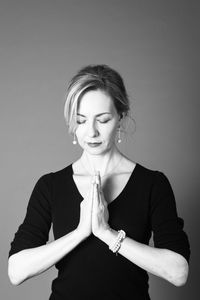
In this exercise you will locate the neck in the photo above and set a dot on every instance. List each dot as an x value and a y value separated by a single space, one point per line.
103 163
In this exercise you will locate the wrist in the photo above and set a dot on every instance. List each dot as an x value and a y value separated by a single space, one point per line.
113 239
108 236
117 244
81 235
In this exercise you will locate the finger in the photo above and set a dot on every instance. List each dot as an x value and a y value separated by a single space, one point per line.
99 181
93 179
96 198
97 177
90 194
100 192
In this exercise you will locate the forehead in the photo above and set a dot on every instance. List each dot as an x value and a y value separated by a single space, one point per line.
96 102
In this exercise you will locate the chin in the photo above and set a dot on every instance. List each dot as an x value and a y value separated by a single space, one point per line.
95 151
99 150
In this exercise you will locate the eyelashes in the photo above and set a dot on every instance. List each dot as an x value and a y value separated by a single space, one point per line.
80 122
100 121
103 121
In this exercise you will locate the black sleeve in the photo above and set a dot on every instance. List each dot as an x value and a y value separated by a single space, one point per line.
34 231
167 227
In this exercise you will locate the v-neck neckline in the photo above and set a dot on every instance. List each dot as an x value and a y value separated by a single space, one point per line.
132 175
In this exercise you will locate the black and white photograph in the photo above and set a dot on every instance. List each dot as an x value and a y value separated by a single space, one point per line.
99 114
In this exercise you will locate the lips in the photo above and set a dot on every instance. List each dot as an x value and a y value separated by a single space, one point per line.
93 145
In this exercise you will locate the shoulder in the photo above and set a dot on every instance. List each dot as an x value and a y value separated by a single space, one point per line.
145 171
159 184
51 183
62 172
129 164
154 177
156 184
59 175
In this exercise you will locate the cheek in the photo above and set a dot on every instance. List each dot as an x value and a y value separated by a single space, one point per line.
111 133
80 133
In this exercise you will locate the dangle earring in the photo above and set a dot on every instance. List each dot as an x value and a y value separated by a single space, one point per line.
119 140
74 140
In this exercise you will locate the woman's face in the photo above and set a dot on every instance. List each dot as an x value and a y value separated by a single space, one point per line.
97 122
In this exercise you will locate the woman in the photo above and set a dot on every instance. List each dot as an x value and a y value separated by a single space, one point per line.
102 205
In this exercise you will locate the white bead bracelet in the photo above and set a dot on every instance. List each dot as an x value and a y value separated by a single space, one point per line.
117 244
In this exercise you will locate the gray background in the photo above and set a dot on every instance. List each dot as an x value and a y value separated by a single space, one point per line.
155 46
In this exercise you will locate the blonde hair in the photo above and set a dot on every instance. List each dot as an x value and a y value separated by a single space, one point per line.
94 77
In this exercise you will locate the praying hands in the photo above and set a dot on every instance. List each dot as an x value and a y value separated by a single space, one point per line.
94 213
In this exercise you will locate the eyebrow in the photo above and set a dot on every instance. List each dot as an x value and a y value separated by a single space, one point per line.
98 115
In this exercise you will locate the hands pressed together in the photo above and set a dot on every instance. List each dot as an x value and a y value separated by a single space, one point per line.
94 213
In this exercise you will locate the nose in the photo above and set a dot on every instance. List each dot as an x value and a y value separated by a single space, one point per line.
92 130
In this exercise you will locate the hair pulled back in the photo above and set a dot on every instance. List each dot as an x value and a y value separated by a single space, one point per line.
95 77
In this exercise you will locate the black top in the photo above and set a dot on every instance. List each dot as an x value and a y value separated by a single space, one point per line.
91 270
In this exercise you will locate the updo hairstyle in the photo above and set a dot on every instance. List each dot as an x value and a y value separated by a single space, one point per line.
95 77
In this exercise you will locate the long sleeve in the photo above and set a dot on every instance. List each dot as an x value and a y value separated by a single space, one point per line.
34 230
167 227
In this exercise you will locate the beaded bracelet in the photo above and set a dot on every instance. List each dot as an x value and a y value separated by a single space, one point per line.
117 244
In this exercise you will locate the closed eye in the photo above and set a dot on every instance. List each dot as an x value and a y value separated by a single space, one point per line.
80 121
103 121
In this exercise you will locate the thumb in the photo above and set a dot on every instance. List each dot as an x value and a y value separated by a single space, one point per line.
98 179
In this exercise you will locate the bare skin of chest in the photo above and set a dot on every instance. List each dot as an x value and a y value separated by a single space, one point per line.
112 185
